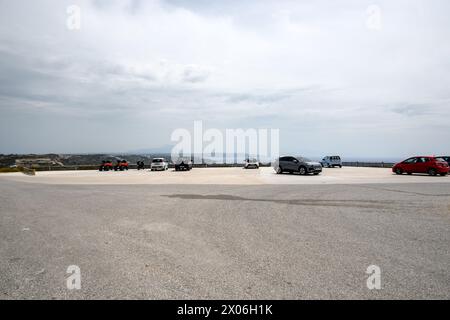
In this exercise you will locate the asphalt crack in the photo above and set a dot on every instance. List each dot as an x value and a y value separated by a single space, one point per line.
370 204
409 192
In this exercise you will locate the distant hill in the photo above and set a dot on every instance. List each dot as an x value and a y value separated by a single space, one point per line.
166 149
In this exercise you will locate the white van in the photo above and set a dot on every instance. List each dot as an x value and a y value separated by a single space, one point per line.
331 161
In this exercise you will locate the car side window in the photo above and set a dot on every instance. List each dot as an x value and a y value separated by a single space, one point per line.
284 159
411 160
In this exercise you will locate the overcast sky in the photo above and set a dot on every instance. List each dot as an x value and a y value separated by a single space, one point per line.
356 78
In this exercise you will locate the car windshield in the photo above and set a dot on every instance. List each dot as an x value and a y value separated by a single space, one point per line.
185 160
303 159
441 159
157 160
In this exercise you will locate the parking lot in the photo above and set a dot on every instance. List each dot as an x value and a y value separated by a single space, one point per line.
224 233
236 176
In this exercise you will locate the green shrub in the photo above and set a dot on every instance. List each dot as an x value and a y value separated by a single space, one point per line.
18 169
6 170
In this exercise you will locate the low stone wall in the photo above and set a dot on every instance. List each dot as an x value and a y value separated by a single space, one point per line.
368 164
217 165
134 166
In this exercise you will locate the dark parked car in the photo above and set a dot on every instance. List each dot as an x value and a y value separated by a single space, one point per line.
183 165
297 164
423 164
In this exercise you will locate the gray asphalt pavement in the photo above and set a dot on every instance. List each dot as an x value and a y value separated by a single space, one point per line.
224 242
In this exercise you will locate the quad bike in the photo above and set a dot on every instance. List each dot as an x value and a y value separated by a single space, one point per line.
121 165
106 166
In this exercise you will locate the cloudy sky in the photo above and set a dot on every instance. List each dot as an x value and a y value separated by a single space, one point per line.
352 77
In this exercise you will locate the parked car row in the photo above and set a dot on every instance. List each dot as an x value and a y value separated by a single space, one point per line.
432 165
157 164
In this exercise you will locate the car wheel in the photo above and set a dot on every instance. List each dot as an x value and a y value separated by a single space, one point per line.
443 174
409 173
316 173
279 170
432 172
398 171
302 170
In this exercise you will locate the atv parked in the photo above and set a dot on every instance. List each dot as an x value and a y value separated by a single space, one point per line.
121 165
106 166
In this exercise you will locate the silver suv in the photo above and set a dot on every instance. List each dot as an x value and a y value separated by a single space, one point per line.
296 164
332 161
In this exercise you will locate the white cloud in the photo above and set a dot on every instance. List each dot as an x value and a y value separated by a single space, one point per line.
312 69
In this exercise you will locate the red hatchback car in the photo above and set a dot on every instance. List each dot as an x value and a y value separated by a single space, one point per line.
431 165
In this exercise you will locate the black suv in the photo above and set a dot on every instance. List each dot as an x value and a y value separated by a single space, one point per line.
184 165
